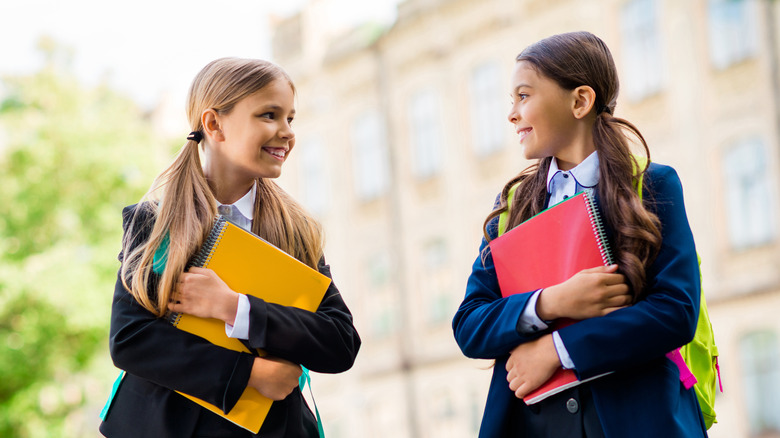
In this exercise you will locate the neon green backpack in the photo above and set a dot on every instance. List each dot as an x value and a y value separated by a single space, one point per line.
697 360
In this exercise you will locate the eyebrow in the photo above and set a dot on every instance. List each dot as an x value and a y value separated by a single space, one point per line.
517 88
274 107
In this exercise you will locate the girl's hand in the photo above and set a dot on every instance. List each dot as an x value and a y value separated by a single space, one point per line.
531 364
273 377
200 292
588 294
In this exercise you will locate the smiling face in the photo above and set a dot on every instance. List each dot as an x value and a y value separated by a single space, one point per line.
542 113
253 139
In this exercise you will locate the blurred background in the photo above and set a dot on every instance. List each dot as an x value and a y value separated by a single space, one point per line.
402 146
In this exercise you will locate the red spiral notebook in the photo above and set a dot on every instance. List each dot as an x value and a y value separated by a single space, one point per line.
546 250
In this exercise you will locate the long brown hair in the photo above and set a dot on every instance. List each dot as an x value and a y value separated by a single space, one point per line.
184 206
572 60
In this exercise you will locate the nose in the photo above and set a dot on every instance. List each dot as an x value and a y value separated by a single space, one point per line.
286 132
513 115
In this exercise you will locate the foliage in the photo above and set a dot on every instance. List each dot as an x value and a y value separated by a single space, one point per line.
70 158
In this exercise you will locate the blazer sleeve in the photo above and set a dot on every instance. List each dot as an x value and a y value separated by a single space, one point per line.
151 348
324 341
666 319
485 324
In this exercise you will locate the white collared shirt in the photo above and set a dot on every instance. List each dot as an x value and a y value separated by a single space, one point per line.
240 213
561 185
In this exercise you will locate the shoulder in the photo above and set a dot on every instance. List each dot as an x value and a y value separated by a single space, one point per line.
142 213
663 193
658 170
662 180
137 222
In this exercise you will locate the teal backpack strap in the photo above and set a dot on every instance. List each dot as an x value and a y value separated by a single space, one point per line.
114 389
161 255
302 382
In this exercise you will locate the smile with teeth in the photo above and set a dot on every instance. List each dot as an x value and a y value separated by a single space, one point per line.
523 133
276 152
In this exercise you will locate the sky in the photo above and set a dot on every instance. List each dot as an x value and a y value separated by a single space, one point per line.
147 48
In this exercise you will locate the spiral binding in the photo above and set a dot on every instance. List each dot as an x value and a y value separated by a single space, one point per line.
173 318
598 229
203 257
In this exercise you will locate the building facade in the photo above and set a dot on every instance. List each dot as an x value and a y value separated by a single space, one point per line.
403 145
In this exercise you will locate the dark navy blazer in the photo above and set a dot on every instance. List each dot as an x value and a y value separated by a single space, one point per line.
644 396
160 359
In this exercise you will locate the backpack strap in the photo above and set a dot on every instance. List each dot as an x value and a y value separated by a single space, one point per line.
503 218
639 163
303 381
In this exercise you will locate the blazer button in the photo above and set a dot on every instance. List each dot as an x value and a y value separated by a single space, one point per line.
572 406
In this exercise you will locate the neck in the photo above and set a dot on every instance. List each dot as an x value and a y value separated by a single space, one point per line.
570 161
229 190
579 149
227 184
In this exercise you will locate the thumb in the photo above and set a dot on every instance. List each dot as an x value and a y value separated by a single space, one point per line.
201 271
601 269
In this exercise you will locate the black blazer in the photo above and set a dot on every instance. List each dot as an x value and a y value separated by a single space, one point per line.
160 359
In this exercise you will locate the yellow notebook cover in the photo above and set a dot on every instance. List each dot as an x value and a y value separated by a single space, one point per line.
250 265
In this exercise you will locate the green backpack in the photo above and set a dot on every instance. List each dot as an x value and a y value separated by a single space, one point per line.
700 367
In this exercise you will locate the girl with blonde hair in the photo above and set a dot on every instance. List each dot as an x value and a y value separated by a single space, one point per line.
240 112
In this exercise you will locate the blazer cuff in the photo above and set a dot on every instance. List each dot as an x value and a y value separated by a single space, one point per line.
238 381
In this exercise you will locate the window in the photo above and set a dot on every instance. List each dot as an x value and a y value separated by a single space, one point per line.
436 283
761 374
487 111
381 300
314 173
441 407
642 60
369 146
425 128
732 31
749 195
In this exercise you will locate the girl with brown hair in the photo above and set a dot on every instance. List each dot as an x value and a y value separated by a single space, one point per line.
240 112
564 93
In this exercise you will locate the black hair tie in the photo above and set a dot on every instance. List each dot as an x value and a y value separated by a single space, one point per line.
195 136
605 109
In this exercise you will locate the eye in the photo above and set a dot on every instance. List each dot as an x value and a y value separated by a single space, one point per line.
289 121
268 115
521 96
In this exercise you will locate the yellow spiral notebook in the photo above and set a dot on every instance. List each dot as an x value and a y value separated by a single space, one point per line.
250 265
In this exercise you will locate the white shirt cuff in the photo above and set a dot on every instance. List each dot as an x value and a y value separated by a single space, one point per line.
240 327
529 321
563 353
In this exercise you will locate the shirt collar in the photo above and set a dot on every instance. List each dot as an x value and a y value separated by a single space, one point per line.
246 205
586 174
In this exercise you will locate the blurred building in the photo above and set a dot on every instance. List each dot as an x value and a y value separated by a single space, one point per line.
403 145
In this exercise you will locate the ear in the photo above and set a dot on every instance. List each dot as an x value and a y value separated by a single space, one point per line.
583 99
211 125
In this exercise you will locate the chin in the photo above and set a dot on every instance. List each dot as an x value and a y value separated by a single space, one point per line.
272 174
529 154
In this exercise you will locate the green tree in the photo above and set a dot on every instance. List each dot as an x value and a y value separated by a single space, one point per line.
70 158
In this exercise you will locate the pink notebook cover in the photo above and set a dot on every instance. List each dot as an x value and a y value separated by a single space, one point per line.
550 247
546 250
